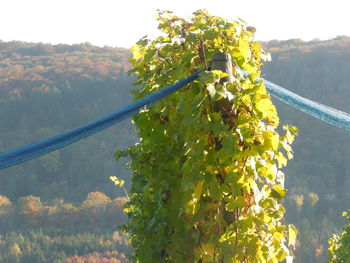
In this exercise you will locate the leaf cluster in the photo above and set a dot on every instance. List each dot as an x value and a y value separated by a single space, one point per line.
339 245
206 183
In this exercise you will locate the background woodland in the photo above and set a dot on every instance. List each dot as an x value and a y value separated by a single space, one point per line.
64 202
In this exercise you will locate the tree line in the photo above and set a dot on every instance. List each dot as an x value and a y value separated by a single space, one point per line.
96 213
45 246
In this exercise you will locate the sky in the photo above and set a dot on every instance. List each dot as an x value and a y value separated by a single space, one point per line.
120 23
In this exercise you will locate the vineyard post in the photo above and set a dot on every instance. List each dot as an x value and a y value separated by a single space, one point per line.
223 62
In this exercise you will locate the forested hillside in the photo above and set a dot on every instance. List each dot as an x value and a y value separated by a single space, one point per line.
62 207
47 89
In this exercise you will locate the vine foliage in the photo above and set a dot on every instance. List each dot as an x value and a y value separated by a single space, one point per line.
339 245
206 183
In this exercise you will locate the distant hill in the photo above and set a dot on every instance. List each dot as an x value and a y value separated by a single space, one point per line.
48 89
27 67
316 69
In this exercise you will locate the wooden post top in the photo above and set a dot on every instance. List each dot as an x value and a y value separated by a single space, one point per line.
223 62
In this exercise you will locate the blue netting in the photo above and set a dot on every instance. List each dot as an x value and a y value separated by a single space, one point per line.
315 109
327 114
45 146
27 152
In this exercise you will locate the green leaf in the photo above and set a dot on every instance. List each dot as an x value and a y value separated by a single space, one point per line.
282 160
271 140
229 144
211 89
197 192
234 203
136 51
278 191
292 235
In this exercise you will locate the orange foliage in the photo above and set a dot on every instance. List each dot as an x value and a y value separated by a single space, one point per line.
109 257
31 65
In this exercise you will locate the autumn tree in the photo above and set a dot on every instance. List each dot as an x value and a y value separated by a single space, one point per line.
94 205
30 208
5 204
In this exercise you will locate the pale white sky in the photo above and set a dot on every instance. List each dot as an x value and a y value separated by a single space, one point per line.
122 22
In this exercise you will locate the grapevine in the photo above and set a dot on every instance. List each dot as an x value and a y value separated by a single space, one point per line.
206 179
